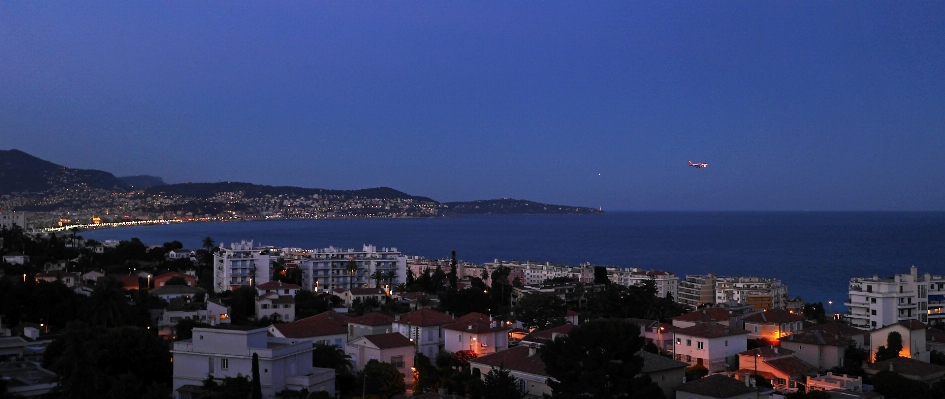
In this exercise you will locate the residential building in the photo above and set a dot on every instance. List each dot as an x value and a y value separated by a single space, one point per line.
666 283
277 308
241 265
525 365
10 219
772 324
370 324
69 279
704 315
169 292
760 293
227 352
162 279
391 348
208 312
538 338
478 333
777 365
330 268
712 345
669 374
327 328
716 386
914 343
877 302
16 258
425 328
696 291
912 369
360 294
181 254
24 378
833 382
814 347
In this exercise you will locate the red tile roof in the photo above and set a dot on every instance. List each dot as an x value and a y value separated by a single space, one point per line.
473 316
373 319
816 337
326 323
913 324
546 335
367 291
905 365
516 358
709 330
767 352
389 340
477 326
716 386
792 366
833 328
277 285
424 318
933 334
705 315
773 316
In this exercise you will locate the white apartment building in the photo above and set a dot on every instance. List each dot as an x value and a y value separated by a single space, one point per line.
878 302
760 293
536 273
326 269
666 282
696 290
240 265
284 363
8 219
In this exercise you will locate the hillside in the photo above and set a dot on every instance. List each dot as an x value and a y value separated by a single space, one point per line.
249 190
508 206
21 172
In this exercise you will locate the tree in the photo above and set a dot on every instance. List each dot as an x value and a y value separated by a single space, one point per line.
597 359
453 277
600 275
184 329
893 385
331 357
308 304
208 244
352 268
500 384
541 310
176 280
696 372
243 304
891 349
257 383
382 379
107 303
815 311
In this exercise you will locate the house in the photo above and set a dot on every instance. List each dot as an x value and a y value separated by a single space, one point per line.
161 280
913 339
777 365
538 338
707 315
669 374
660 334
180 254
370 324
425 328
16 258
278 287
360 294
27 379
417 300
478 333
716 386
817 348
712 345
390 348
208 312
12 347
128 282
935 339
328 328
912 369
278 308
169 292
92 276
832 382
69 279
228 351
523 363
772 324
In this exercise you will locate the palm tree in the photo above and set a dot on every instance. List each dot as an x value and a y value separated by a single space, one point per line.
106 304
208 244
390 275
377 276
352 268
331 357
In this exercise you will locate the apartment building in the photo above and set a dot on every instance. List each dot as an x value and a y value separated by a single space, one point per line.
9 219
666 283
878 302
241 265
696 290
760 293
326 269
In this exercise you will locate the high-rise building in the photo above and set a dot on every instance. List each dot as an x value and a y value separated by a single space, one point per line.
878 302
696 290
9 219
240 265
760 293
332 268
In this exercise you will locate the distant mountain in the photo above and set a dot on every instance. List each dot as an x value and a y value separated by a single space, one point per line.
508 206
21 172
142 182
249 190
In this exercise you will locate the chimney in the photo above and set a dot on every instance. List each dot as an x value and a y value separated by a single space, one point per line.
531 351
747 380
775 349
890 366
396 317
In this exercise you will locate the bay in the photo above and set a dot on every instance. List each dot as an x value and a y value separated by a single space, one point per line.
814 253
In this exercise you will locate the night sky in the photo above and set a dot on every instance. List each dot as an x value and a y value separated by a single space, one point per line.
794 105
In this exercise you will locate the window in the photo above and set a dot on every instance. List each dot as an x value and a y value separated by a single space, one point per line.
700 345
869 288
210 364
873 312
756 328
688 342
460 338
397 361
224 364
872 300
264 306
726 342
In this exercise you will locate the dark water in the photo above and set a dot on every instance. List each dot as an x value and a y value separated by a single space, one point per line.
814 253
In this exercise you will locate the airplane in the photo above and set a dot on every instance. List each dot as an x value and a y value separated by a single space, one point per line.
698 165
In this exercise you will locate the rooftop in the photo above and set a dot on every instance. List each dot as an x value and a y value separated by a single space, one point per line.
710 330
516 358
389 340
716 386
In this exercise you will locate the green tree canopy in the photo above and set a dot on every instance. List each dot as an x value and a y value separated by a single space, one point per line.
541 310
891 349
499 383
597 359
382 379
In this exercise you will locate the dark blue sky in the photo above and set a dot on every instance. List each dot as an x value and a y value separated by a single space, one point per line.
794 105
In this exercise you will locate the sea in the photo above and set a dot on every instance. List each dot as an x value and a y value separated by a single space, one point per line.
814 253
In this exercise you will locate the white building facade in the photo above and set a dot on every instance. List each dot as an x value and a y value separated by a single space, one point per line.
241 265
760 293
878 302
326 269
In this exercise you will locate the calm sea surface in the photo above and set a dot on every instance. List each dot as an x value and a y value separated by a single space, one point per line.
814 253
